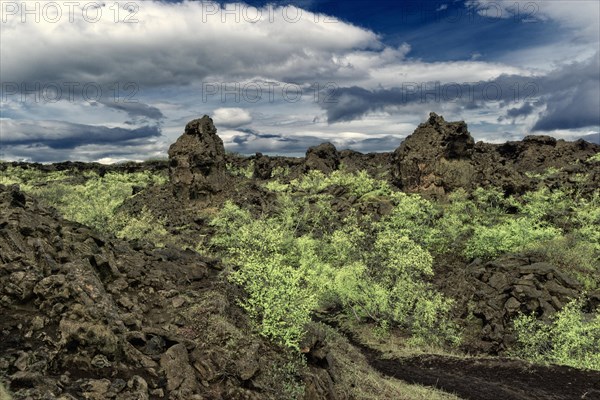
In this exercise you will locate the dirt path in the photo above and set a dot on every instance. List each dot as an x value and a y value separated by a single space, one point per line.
490 379
485 378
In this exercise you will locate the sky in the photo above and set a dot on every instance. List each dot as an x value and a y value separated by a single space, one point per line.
110 81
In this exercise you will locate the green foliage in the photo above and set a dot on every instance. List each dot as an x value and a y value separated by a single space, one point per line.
275 282
513 235
304 257
29 178
276 186
577 257
544 175
414 217
386 283
94 203
455 223
594 159
93 200
355 264
570 338
244 172
358 184
280 172
546 206
143 226
587 220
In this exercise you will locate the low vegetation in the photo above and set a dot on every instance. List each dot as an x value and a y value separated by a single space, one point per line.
93 200
350 243
307 255
570 338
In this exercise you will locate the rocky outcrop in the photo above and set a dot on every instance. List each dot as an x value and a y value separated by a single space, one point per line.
80 311
511 285
323 157
435 158
197 160
441 156
517 166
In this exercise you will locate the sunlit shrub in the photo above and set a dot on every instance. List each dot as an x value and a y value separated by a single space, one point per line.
570 338
512 235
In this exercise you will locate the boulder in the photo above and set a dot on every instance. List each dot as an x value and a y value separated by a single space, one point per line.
323 157
179 373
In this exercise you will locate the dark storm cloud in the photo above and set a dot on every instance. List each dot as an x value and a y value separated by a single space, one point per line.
371 145
523 111
66 135
250 141
570 94
136 110
252 133
571 109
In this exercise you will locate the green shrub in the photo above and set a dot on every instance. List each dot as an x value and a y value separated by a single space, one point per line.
594 159
455 223
573 255
278 296
570 338
94 203
587 220
547 206
93 200
358 184
244 172
289 268
513 235
143 226
280 172
414 217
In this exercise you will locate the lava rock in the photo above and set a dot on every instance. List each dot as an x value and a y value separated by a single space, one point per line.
436 158
323 157
512 284
197 160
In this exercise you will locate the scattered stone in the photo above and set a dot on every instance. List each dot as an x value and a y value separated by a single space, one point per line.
179 373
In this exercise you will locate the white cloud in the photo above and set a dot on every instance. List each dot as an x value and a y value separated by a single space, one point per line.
174 44
582 16
231 117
